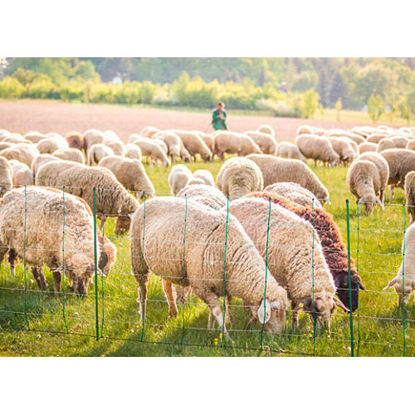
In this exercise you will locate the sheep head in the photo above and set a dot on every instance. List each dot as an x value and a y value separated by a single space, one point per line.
403 291
273 314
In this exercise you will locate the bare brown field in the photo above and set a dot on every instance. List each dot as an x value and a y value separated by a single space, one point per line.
47 116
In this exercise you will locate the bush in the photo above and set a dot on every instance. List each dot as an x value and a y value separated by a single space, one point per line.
148 91
309 103
128 93
71 91
102 93
277 108
375 107
42 87
11 88
24 76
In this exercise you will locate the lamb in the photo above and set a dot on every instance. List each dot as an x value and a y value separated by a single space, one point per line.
295 193
46 207
22 174
153 151
239 176
334 250
366 147
401 162
203 260
149 131
317 148
132 152
207 195
50 145
410 194
392 142
266 128
292 268
343 148
406 272
75 140
6 176
178 178
92 137
130 173
112 199
204 175
22 152
173 142
194 144
230 142
70 154
275 169
290 151
40 160
34 136
97 152
265 142
383 169
364 183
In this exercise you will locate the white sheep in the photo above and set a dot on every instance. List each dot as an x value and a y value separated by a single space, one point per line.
265 142
132 152
231 143
294 192
178 178
154 151
70 154
22 174
97 152
207 195
6 176
290 151
317 148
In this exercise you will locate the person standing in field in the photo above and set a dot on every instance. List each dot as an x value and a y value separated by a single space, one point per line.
219 117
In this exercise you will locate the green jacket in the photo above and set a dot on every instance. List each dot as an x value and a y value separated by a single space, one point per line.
217 123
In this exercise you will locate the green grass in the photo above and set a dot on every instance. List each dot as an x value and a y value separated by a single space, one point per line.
381 332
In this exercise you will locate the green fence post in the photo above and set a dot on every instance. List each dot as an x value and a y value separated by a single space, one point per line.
63 262
94 207
312 279
224 271
357 270
183 267
350 279
102 273
266 272
403 286
24 256
143 309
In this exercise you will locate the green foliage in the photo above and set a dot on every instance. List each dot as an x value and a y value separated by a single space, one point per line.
102 93
71 91
128 93
404 109
85 70
375 107
278 108
42 87
25 76
11 88
309 104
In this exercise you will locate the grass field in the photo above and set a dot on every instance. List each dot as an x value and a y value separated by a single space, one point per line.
379 321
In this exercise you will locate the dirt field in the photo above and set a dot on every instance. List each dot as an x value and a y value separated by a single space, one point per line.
46 116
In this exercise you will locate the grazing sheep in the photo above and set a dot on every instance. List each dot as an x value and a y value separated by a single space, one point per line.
406 270
239 176
132 152
354 145
410 194
15 139
161 143
401 162
44 209
194 144
392 142
356 138
366 147
149 131
204 175
291 256
75 140
112 199
364 183
290 151
3 146
411 145
207 195
383 169
92 137
70 154
317 148
343 148
130 173
50 145
34 136
97 152
173 142
204 257
308 129
22 174
275 169
231 143
40 160
24 153
264 141
6 176
267 129
4 134
115 145
178 178
334 249
208 139
152 150
295 193
376 137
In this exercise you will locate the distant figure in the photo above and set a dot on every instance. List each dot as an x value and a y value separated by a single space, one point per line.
283 87
219 117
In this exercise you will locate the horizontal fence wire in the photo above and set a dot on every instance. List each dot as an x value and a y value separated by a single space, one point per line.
96 314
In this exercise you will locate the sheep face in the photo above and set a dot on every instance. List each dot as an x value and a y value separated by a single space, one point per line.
343 291
321 308
403 292
370 201
275 316
80 281
122 224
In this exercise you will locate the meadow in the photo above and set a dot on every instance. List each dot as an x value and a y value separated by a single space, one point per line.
64 325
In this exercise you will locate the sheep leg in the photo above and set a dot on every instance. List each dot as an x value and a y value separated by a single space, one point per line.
228 310
295 306
57 281
142 293
392 190
40 278
12 261
171 301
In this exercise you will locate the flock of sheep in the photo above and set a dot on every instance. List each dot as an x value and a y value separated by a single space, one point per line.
259 232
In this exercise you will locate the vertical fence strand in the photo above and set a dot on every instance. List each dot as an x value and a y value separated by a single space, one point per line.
94 206
102 274
350 279
183 267
312 279
63 262
143 317
403 286
224 271
24 256
357 271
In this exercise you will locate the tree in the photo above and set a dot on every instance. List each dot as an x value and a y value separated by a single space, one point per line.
310 103
338 107
405 109
375 107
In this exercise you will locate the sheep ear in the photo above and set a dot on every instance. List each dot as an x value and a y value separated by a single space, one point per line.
275 305
392 283
340 304
59 269
361 286
263 318
380 203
